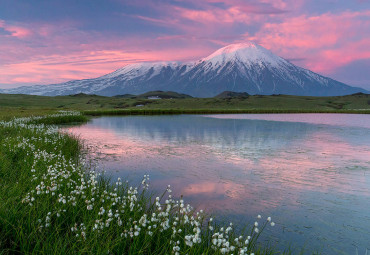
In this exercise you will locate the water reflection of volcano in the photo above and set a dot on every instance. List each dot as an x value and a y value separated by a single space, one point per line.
190 128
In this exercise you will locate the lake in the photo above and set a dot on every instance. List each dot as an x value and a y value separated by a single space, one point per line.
309 172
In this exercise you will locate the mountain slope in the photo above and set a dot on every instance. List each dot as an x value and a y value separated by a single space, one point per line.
245 67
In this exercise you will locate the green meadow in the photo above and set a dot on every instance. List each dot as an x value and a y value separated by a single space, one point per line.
23 105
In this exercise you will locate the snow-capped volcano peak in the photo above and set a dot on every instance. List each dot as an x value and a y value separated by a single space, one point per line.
248 53
231 48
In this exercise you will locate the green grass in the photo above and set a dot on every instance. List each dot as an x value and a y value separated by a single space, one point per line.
52 203
359 103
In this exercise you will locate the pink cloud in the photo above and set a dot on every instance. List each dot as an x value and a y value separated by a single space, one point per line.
163 22
19 32
234 11
327 41
207 19
60 52
16 31
215 16
65 60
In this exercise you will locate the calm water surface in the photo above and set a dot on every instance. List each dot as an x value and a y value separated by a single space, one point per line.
310 172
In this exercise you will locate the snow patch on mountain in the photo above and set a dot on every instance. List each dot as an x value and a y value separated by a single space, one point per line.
139 69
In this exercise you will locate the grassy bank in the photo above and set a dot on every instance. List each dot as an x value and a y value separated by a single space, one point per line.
359 103
51 202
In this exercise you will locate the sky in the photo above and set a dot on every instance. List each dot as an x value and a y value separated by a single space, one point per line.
52 41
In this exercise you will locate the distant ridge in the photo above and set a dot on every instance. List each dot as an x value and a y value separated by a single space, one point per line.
243 67
158 93
231 94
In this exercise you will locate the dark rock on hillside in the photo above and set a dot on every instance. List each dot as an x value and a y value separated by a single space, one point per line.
163 94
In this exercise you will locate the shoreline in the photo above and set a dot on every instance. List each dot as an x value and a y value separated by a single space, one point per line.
211 111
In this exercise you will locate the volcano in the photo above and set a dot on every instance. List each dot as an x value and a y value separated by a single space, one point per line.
243 67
